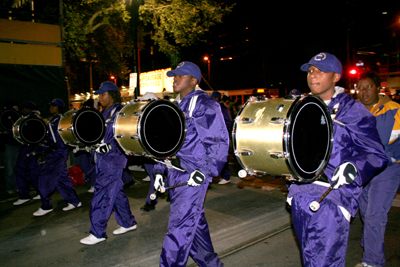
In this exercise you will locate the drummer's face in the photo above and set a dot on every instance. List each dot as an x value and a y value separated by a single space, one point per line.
184 84
53 110
322 83
106 100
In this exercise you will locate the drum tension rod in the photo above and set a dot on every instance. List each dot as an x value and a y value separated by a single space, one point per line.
247 120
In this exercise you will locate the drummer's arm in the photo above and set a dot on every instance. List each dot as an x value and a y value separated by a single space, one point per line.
214 140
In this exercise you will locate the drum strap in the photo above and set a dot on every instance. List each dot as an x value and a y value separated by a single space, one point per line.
51 131
192 105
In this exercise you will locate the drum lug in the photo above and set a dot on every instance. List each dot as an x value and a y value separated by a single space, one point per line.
247 120
137 113
120 136
122 114
277 120
135 137
276 155
70 128
246 152
61 129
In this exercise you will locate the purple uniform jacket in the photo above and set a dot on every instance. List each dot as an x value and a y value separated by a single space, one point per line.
356 140
115 155
207 141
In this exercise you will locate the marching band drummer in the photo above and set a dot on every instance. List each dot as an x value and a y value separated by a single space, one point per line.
202 156
357 155
110 163
54 173
27 168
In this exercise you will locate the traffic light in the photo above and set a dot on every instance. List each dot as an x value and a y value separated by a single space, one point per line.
353 72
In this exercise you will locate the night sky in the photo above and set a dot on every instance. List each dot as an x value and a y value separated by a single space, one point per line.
282 36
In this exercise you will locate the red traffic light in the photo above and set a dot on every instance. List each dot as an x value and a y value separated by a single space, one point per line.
353 71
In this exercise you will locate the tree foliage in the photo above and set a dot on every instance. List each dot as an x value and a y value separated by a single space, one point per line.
181 23
96 30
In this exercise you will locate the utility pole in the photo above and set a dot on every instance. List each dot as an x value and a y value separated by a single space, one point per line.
134 8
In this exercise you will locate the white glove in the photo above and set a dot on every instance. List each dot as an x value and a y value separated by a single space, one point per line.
196 178
159 182
103 148
344 174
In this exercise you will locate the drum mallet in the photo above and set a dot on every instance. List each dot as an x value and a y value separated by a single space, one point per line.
314 206
154 195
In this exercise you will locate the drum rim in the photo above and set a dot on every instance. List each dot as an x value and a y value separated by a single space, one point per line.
24 140
157 103
287 144
74 130
12 125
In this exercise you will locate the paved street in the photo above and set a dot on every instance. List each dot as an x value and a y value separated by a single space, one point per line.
249 226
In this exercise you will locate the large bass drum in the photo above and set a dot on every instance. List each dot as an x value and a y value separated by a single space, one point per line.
83 127
284 137
30 130
154 128
8 117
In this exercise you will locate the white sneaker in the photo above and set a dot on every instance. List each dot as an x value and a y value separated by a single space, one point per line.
146 179
121 230
223 181
20 202
41 212
37 197
71 207
91 240
91 190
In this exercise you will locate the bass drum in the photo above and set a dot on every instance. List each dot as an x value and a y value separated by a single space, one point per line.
30 130
284 137
83 127
7 119
154 128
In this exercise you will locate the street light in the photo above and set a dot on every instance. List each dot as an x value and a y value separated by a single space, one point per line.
208 61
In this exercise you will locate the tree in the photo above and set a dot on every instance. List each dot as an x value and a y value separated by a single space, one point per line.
96 30
181 23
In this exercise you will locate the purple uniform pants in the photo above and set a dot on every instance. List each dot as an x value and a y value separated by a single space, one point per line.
188 232
54 175
322 235
109 196
375 203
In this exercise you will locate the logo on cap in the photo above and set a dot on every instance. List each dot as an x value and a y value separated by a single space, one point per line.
320 57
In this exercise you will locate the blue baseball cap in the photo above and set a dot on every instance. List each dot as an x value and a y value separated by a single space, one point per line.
325 62
295 92
29 105
106 86
57 102
185 68
216 94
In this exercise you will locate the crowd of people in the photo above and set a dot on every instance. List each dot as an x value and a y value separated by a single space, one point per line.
362 173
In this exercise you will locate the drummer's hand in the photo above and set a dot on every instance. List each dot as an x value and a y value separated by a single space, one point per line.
159 182
196 178
344 174
103 148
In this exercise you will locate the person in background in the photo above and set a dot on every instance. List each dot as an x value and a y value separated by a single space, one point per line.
202 156
11 151
357 155
110 162
294 93
54 173
225 172
377 196
27 168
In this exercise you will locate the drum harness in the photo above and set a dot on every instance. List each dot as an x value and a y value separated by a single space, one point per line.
168 162
102 141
